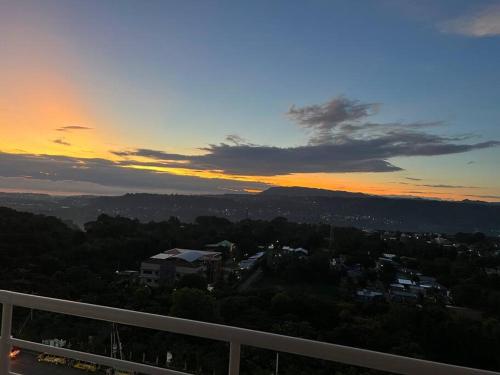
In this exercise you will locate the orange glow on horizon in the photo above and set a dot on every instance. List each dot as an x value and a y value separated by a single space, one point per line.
350 182
37 107
42 94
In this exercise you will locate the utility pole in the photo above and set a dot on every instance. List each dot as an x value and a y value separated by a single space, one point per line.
277 363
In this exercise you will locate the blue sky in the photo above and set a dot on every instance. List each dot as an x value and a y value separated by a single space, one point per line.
179 76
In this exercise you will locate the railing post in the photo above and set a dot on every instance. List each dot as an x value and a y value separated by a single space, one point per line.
234 358
5 339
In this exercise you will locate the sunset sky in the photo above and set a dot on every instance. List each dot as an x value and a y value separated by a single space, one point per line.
389 97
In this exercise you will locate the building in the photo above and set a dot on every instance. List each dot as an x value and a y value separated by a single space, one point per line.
222 244
366 295
173 264
252 261
298 250
403 296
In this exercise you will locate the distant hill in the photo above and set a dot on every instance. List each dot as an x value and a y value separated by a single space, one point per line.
295 204
296 191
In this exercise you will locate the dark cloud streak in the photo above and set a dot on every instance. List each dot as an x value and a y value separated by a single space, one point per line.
352 155
445 186
72 127
323 119
341 140
62 142
108 173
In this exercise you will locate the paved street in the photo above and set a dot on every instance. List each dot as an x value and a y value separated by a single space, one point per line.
27 364
255 276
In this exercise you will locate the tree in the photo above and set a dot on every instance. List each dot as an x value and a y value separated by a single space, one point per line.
193 304
281 303
195 281
387 273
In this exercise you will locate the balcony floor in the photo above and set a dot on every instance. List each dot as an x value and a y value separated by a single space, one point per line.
27 364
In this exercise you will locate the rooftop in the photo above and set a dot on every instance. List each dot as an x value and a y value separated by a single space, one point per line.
187 255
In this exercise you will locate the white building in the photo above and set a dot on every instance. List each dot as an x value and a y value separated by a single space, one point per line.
173 264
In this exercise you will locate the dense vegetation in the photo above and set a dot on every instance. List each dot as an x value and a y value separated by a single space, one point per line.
299 297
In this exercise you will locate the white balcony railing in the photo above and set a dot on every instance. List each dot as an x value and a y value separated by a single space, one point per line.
236 337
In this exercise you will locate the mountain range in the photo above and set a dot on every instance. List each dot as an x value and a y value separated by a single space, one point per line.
294 203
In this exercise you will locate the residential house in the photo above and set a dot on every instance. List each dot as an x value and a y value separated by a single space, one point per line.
173 264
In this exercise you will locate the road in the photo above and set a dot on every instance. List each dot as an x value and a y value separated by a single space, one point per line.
255 276
27 364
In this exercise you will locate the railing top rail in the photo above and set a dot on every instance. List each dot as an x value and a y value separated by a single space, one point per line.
275 342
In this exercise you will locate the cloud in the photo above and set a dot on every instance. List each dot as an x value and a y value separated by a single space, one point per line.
115 177
72 127
62 142
324 118
148 153
483 23
342 118
425 192
64 187
445 186
235 139
351 155
341 141
270 160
